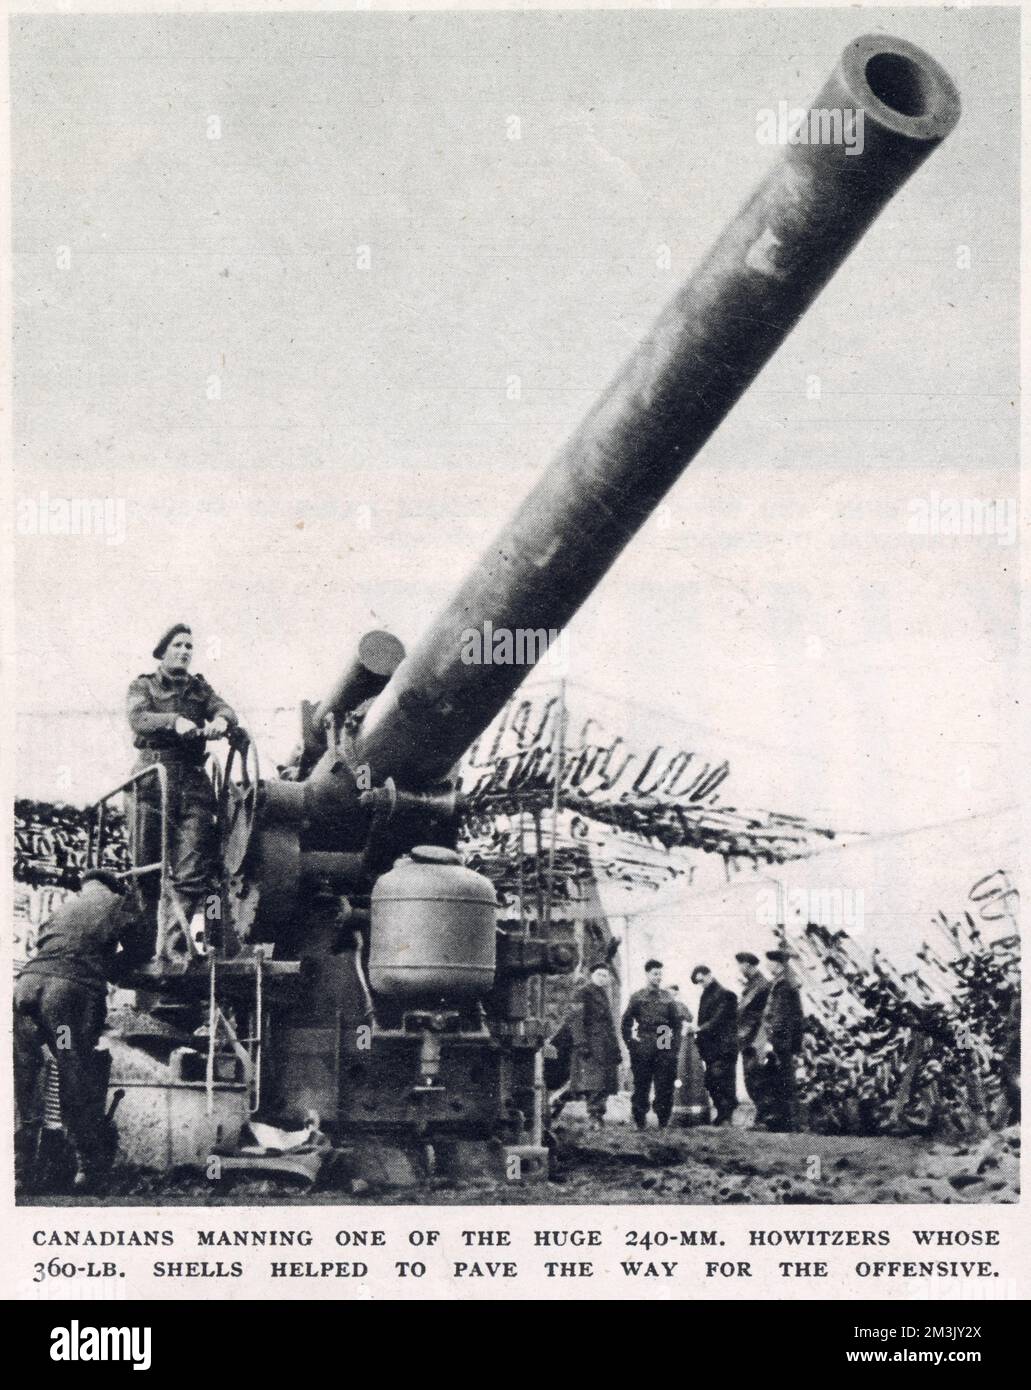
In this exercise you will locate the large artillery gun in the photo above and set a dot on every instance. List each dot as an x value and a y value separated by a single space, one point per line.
358 970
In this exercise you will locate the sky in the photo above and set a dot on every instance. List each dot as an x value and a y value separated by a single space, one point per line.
312 299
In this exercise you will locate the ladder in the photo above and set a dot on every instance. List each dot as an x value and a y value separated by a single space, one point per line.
248 1049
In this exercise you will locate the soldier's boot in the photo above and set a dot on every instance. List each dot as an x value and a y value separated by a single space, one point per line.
89 1180
55 1165
26 1153
595 1114
92 1166
93 1135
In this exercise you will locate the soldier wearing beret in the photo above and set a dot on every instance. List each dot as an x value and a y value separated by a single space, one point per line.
172 713
652 1026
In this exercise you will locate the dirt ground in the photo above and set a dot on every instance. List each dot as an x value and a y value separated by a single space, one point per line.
619 1165
737 1165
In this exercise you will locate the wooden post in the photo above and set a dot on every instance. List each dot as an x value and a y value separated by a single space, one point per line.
916 1052
917 1047
556 799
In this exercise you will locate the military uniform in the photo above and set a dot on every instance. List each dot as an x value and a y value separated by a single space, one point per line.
651 1027
685 1013
156 700
750 1010
60 1001
594 1065
783 1022
716 1037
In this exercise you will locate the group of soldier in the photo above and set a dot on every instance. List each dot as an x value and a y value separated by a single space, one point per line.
763 1026
108 929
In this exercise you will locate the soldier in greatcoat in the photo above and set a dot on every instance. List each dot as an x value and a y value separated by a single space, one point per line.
594 1071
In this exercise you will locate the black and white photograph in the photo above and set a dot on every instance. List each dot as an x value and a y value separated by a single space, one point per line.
516 612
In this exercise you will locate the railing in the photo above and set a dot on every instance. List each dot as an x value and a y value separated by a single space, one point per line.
235 789
171 917
95 849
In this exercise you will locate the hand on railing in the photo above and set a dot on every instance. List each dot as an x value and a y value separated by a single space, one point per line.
216 728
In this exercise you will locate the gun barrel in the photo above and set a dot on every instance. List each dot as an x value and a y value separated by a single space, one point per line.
889 105
378 656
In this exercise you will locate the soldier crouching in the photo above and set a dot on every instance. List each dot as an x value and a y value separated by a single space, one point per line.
60 1003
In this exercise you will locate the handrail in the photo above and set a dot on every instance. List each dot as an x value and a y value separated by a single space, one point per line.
238 741
137 870
166 892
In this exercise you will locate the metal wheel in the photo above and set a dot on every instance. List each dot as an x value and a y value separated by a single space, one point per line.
238 801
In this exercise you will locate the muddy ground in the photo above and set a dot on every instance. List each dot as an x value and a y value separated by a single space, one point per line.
619 1165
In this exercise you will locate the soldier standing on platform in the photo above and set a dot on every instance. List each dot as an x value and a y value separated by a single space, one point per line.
172 713
652 1025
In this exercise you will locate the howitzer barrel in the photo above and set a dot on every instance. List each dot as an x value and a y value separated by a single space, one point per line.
378 656
890 105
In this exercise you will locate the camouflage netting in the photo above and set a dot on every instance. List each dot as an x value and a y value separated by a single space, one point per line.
551 812
882 1056
665 794
51 842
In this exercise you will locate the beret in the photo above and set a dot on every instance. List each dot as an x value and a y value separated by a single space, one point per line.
173 631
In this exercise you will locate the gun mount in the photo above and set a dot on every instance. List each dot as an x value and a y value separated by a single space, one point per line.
401 1008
